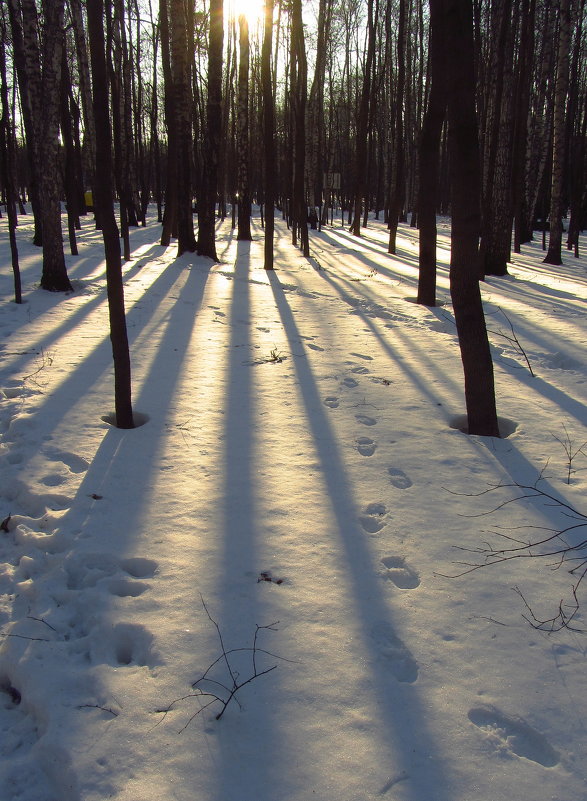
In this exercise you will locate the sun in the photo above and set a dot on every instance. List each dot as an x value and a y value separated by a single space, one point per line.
253 10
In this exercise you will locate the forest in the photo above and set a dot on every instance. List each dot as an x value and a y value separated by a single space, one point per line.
293 400
471 108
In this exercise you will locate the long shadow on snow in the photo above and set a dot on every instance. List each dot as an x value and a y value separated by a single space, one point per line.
244 769
424 386
115 458
420 757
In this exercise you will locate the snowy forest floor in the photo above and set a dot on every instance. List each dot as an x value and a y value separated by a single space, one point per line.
300 466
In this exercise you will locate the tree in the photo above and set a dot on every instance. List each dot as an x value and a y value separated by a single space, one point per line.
103 200
298 96
182 107
7 164
171 191
434 118
456 20
363 118
212 135
242 126
398 187
268 135
27 59
554 255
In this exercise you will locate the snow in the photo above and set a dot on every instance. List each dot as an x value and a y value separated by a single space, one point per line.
300 467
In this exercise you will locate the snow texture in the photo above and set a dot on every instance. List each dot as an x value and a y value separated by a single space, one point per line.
299 465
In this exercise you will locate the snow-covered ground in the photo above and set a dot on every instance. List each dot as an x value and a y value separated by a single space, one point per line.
300 467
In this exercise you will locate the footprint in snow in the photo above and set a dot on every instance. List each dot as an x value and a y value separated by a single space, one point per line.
365 420
88 570
331 401
360 370
122 644
366 446
373 517
315 347
512 735
394 653
363 356
77 464
399 479
350 382
400 573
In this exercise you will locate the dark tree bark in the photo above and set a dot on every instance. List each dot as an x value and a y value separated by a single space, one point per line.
268 136
171 193
430 161
363 118
85 87
465 178
7 166
496 196
54 276
521 111
242 127
398 188
186 240
212 135
554 255
104 201
299 77
71 184
24 27
315 142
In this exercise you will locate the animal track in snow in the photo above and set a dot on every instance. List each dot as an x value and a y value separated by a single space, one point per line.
512 735
77 464
399 479
360 370
394 652
315 347
87 570
139 567
363 356
350 382
366 446
331 401
122 644
127 588
365 420
372 518
400 573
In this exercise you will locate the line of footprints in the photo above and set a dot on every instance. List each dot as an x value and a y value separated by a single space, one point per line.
501 732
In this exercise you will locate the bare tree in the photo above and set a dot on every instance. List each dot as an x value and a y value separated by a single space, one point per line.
104 201
554 255
268 135
242 126
212 135
456 20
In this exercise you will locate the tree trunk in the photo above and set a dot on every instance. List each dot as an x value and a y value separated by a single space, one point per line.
212 135
465 178
242 125
54 276
28 68
363 119
7 167
171 193
429 163
398 189
554 255
268 136
186 240
104 195
298 98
